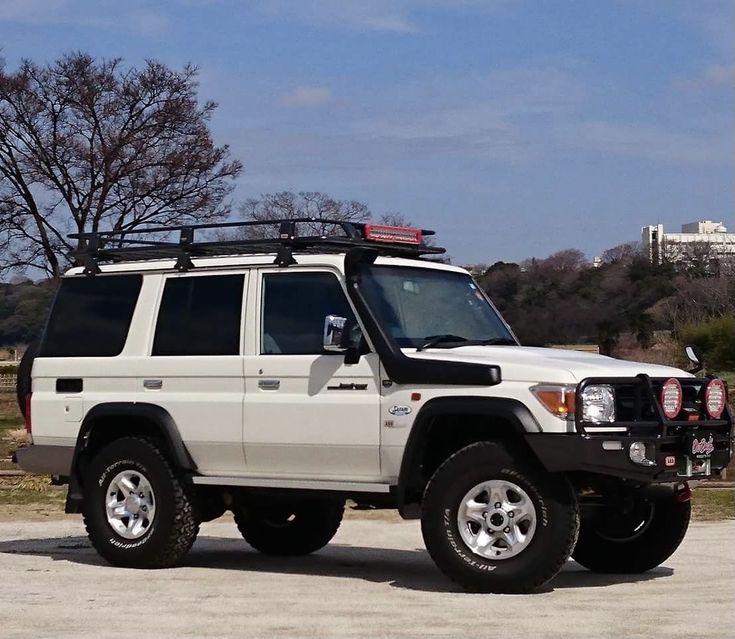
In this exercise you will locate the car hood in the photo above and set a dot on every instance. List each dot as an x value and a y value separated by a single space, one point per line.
530 364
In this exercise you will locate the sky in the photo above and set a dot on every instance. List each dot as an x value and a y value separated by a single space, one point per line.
515 128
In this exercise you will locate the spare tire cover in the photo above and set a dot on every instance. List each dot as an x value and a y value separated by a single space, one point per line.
23 385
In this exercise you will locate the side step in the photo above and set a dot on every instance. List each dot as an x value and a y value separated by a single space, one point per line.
300 484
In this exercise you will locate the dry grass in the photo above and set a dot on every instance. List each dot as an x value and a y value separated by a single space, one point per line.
713 504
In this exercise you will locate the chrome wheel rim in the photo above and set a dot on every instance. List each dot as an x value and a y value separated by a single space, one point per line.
130 505
496 519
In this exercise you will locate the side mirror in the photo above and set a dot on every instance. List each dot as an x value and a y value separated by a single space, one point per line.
334 334
694 355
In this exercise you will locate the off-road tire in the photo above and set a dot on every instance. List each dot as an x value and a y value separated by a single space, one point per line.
174 527
556 514
663 532
297 528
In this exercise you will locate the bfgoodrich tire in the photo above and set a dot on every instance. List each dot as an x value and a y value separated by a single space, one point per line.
636 537
137 512
494 524
289 529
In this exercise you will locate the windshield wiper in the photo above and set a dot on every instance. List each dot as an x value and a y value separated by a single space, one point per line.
453 341
497 341
434 340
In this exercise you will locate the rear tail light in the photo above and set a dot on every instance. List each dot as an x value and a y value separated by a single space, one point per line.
397 234
27 416
671 397
715 398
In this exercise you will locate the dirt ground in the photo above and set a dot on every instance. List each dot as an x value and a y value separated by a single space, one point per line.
374 580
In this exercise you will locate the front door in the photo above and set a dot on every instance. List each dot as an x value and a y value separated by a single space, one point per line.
307 413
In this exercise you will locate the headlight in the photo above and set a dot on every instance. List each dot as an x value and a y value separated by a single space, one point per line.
598 404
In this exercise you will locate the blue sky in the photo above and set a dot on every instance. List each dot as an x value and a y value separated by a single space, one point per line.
515 128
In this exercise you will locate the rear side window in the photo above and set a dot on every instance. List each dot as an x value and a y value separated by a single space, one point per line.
91 316
200 316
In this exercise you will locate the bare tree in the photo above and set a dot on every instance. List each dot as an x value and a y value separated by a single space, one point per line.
307 204
87 145
623 253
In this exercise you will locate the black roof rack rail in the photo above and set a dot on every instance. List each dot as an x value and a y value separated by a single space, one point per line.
119 246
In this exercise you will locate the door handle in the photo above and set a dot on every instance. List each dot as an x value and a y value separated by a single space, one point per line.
153 384
269 384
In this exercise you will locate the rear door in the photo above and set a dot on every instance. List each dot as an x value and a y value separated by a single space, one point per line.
307 413
195 368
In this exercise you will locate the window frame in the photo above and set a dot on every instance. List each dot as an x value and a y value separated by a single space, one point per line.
283 272
245 272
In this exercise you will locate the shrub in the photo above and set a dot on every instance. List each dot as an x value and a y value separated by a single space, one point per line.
716 338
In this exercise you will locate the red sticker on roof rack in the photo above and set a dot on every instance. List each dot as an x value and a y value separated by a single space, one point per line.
396 234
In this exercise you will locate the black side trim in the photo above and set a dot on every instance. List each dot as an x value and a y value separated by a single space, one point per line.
511 410
166 427
400 368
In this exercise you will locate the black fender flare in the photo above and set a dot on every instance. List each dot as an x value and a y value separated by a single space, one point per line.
512 411
164 425
158 416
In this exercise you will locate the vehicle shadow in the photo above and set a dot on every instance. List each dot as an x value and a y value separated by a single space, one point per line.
405 569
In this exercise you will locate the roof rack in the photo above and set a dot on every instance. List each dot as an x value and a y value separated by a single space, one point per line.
119 246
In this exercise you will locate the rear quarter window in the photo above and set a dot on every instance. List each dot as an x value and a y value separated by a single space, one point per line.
91 316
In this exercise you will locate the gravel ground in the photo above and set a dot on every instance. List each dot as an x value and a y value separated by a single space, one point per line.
374 580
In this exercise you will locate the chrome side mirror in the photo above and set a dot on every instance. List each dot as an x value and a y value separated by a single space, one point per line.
334 334
694 355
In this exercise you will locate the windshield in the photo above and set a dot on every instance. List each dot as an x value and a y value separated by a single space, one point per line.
423 308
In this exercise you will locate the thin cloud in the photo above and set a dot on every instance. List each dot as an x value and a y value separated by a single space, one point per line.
308 96
715 76
136 15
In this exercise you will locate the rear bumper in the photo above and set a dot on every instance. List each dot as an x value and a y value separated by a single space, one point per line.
46 460
608 455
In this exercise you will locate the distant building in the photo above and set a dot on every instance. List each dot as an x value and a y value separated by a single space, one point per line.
695 239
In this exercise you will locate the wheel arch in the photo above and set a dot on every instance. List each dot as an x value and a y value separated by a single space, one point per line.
106 422
449 423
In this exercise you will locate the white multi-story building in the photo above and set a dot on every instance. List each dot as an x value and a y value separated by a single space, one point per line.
695 239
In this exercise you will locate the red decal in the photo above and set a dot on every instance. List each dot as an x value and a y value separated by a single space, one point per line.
670 460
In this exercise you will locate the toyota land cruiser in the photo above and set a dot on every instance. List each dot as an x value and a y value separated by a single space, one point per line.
180 378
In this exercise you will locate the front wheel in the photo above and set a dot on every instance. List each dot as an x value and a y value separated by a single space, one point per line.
289 529
637 535
492 524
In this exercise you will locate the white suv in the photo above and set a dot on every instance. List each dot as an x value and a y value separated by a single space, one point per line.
279 375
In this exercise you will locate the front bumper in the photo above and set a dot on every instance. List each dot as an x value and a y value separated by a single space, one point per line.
608 455
692 446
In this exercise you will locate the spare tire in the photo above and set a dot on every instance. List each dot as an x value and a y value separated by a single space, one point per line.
24 384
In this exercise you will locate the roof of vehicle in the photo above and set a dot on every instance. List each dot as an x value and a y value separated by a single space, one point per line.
332 260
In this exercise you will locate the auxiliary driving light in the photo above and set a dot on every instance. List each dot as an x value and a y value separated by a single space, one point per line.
671 397
714 398
637 454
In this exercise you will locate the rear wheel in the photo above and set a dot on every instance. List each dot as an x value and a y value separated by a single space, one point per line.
636 535
493 524
294 528
137 512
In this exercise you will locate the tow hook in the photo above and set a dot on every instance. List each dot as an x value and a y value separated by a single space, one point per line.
683 493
